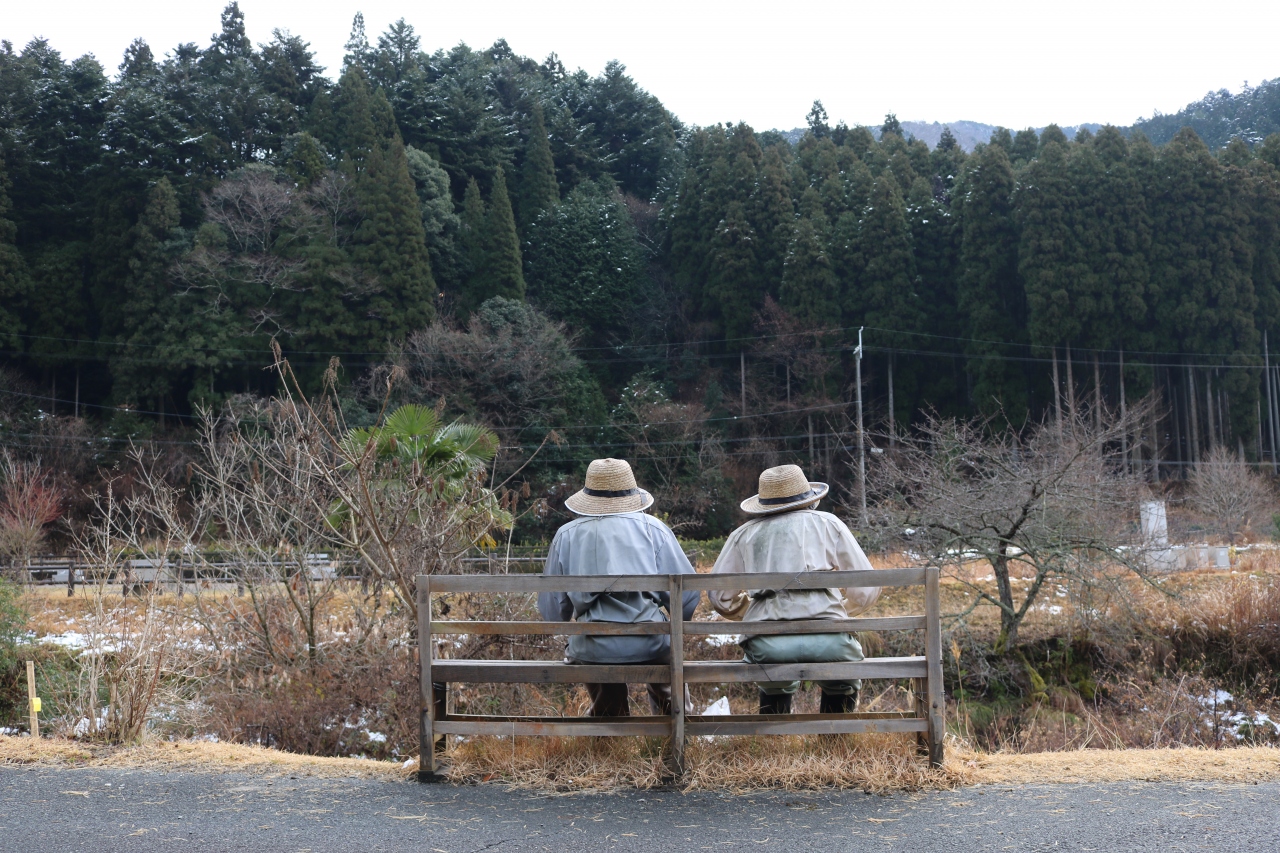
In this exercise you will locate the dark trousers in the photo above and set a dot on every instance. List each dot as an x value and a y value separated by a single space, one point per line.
610 700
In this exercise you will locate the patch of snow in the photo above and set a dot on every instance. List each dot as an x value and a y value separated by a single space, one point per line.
718 708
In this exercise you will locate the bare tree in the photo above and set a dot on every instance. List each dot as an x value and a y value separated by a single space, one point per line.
30 501
1229 492
1037 504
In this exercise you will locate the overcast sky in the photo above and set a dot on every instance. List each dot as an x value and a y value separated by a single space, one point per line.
1016 64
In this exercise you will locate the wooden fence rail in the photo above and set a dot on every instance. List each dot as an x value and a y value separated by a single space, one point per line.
924 671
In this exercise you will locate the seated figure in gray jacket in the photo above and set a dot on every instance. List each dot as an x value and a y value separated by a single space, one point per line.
614 536
791 535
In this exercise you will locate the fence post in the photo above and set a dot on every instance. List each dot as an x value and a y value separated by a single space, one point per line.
933 658
677 672
32 700
427 710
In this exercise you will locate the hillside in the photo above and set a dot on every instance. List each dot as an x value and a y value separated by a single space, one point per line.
1218 117
968 133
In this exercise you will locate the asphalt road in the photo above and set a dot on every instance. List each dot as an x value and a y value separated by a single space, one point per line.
45 810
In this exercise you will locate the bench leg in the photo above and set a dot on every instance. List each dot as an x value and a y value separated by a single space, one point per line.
920 708
428 758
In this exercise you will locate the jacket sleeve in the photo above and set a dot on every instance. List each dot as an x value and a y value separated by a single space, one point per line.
849 557
672 561
555 606
729 603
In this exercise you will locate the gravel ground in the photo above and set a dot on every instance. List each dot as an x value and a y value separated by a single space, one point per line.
47 810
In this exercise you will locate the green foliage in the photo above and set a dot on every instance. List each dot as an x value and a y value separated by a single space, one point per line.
13 273
13 624
990 292
538 188
585 267
414 436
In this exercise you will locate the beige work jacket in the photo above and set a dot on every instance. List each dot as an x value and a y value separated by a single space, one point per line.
803 540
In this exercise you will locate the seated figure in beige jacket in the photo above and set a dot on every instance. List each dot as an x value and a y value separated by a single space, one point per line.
791 535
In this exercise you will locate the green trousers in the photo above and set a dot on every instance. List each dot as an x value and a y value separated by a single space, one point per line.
803 648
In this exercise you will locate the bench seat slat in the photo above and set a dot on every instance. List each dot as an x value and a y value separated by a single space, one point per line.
557 672
547 672
808 626
456 724
720 672
796 724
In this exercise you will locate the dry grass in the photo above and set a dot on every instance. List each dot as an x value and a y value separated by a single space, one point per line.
1241 764
877 763
200 756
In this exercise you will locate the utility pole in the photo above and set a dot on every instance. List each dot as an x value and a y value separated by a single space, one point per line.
742 366
862 447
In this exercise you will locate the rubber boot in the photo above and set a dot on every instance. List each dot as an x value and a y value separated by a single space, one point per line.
838 703
779 703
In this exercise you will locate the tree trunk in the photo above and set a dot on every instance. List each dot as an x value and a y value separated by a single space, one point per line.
811 443
893 419
1155 439
1124 436
1208 410
1097 394
1071 389
1191 414
1057 393
1008 614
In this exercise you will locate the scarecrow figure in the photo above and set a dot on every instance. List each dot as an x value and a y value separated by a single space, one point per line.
614 536
791 535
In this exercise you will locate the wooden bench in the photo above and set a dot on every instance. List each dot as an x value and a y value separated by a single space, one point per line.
924 671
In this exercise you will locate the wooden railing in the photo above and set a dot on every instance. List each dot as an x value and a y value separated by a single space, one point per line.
924 671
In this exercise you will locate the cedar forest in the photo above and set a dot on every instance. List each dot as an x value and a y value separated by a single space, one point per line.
554 254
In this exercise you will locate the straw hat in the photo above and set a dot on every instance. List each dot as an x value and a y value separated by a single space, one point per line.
611 488
782 488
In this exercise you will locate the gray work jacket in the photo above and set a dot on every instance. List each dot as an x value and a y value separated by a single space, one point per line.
629 543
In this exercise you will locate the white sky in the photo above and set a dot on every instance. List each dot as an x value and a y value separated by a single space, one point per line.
1016 64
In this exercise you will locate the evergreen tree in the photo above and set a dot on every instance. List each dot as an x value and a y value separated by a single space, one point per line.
1047 251
442 227
990 294
585 267
886 296
891 127
538 188
472 242
817 120
357 47
391 243
504 273
1202 292
810 290
1025 146
497 268
1052 133
736 290
772 215
146 366
13 274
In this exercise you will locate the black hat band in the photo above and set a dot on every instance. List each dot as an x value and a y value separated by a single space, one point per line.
601 493
775 501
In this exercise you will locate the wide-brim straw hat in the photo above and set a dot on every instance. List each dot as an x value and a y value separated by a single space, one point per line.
611 488
782 488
